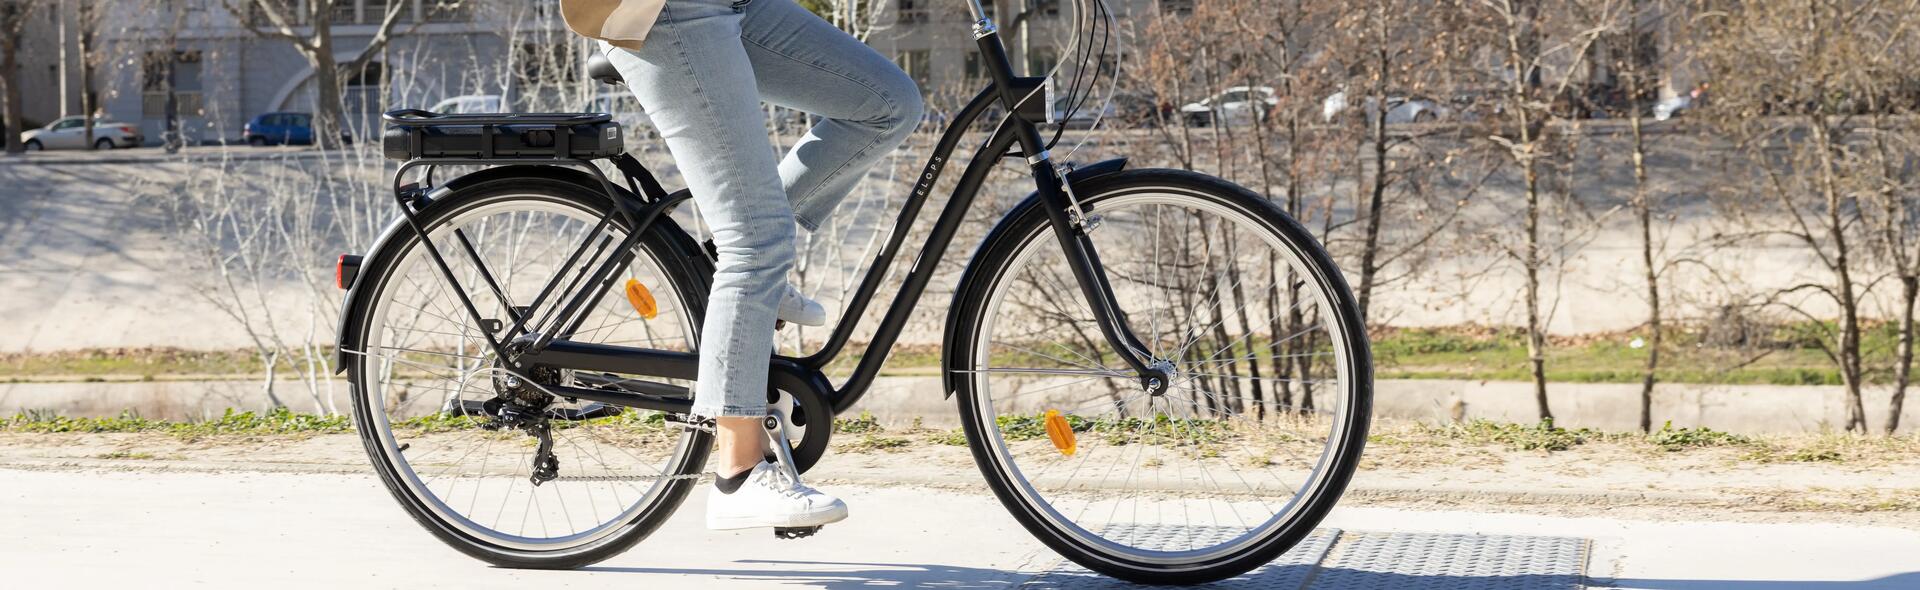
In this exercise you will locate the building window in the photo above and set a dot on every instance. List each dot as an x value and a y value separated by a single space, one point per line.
1176 6
346 12
1041 60
174 74
365 90
976 65
253 15
1047 8
915 11
376 10
918 63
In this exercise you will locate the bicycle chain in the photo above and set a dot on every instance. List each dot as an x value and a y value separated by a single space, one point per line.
619 478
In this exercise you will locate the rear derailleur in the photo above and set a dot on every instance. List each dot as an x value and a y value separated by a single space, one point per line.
520 405
509 415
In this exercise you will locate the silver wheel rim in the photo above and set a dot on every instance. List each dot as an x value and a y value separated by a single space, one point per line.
380 361
1008 465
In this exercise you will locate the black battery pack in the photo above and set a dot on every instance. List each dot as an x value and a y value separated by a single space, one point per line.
415 134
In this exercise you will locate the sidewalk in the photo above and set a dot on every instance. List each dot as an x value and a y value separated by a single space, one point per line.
241 530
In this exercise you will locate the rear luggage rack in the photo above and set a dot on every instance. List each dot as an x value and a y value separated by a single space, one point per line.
414 134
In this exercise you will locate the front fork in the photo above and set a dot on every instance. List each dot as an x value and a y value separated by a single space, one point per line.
1023 97
1072 226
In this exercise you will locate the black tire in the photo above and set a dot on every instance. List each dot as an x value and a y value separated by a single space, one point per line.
34 145
1318 496
679 257
103 144
257 141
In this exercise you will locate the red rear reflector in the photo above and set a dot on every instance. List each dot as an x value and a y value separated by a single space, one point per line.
345 270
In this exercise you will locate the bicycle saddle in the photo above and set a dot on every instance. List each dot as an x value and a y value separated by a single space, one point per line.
600 68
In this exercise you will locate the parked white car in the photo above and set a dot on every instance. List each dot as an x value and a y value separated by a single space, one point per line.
472 103
1400 109
70 133
1669 107
1235 106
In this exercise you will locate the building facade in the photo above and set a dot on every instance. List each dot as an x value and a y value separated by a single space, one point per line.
216 72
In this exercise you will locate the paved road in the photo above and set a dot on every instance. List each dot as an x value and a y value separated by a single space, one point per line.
241 530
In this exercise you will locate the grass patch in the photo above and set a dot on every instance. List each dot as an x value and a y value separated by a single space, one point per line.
1782 354
1668 438
1535 437
862 424
1709 353
143 363
952 438
272 422
869 443
130 455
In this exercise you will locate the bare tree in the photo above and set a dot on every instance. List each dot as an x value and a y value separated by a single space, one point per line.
1790 83
1519 33
1886 172
1634 65
308 26
1892 158
14 15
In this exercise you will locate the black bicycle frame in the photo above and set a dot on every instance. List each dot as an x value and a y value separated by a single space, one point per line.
1024 103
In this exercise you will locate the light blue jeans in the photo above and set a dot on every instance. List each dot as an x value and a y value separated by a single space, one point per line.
701 76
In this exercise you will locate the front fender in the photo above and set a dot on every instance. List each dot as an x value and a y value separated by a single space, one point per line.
949 363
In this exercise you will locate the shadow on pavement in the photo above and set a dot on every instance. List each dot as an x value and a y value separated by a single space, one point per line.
868 575
1906 581
895 575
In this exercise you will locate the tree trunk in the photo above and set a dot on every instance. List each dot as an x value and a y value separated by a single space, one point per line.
1536 332
10 91
1643 210
1526 154
1849 344
1903 355
88 25
329 114
1376 201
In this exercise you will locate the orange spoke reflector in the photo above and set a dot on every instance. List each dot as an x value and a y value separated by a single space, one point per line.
642 299
1060 432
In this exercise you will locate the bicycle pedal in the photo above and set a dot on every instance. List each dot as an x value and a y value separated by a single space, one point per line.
801 532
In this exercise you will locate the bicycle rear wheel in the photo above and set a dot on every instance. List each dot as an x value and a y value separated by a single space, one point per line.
1267 409
430 397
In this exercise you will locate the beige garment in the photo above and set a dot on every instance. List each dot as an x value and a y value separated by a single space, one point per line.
622 23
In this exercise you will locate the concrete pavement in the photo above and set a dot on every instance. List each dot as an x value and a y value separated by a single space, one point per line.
99 529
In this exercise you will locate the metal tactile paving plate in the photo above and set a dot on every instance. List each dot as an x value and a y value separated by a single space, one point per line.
1452 562
1288 572
1386 561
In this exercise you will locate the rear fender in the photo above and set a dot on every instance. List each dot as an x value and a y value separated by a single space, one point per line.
397 232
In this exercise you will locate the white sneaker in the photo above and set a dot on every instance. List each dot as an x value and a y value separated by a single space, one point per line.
769 498
798 309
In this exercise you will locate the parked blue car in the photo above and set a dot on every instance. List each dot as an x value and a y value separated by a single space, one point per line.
279 129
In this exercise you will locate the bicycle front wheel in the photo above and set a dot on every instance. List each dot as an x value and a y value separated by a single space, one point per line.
1266 409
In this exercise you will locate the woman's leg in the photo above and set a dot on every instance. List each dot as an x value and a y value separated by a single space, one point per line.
868 105
697 84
